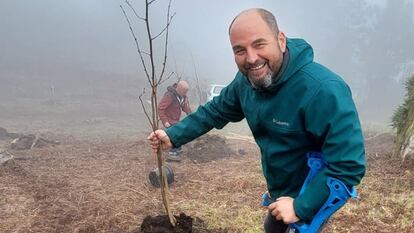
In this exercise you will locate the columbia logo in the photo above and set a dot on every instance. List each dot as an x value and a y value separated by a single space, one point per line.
280 122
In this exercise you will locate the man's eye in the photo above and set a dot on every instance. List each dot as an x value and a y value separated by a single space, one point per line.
239 51
260 45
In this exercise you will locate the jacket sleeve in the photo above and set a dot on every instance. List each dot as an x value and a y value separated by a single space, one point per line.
185 106
217 113
332 119
162 106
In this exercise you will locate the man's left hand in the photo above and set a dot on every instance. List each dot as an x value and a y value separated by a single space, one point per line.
283 210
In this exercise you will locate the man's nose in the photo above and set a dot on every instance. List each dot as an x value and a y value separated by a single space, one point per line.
251 56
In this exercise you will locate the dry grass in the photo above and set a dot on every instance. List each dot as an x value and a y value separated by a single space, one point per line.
102 186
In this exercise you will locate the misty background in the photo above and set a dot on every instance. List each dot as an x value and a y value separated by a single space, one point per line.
76 60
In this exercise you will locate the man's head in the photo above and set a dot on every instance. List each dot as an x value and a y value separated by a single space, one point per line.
182 88
258 45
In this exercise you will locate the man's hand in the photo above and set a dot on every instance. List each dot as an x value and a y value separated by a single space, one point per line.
167 125
157 137
283 210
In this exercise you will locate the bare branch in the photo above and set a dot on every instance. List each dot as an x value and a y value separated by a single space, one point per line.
166 43
136 43
133 10
149 3
145 109
153 80
197 80
169 76
165 28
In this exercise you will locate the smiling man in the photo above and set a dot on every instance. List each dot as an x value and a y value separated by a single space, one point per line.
293 105
258 48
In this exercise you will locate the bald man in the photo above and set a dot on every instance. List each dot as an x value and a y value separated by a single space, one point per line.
293 106
169 109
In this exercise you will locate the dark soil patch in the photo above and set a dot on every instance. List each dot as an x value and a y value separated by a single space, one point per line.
208 148
161 224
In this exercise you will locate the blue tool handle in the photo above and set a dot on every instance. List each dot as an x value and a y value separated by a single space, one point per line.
266 199
315 163
338 196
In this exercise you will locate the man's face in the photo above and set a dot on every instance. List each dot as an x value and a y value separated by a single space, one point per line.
258 51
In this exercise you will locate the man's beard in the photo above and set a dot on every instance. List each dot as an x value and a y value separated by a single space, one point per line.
265 82
261 83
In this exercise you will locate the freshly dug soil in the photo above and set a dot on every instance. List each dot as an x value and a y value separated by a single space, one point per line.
161 224
208 148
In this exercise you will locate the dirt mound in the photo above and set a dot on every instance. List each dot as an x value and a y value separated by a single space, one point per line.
185 223
208 148
161 224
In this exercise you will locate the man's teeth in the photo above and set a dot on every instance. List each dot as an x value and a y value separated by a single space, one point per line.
257 67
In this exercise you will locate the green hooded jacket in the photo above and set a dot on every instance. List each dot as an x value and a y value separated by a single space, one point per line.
308 108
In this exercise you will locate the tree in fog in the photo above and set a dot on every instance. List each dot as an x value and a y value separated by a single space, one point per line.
403 122
147 54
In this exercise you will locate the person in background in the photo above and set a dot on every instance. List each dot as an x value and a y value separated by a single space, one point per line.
293 106
174 102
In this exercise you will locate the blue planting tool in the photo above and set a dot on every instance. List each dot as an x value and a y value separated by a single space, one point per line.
338 196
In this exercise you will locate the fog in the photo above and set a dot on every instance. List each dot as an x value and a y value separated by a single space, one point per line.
52 42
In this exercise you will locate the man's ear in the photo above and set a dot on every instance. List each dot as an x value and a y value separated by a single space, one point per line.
281 38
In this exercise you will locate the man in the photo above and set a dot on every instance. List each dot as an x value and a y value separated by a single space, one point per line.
169 109
293 105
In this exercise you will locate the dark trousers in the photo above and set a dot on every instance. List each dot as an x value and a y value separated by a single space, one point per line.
271 225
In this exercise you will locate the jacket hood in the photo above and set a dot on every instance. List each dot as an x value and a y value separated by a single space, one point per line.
172 89
300 54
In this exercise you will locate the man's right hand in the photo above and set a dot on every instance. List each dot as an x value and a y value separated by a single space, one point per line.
159 137
167 125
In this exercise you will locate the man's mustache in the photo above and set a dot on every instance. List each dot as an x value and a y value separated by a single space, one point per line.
248 66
